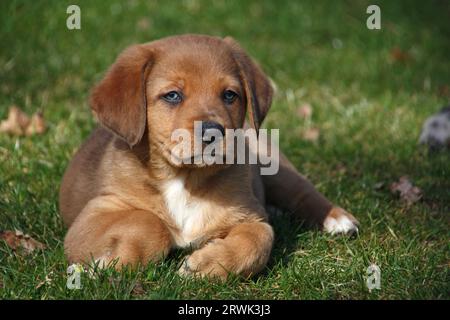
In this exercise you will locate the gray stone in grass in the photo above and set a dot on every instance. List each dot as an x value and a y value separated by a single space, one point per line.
436 131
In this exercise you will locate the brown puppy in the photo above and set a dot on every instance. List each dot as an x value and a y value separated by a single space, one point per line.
123 198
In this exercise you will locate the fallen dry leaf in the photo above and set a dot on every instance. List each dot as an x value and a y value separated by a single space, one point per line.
444 91
144 24
398 55
17 240
138 289
311 134
16 123
47 280
305 111
408 192
37 125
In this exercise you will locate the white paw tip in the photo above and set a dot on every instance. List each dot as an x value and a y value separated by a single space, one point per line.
340 225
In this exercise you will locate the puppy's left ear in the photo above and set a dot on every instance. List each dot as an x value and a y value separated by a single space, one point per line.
258 89
119 100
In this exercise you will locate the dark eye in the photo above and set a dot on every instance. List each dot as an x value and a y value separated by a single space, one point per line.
172 97
229 96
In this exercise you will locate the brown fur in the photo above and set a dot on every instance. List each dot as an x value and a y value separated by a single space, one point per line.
112 194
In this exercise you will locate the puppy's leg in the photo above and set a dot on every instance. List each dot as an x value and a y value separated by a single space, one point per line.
289 190
245 251
106 233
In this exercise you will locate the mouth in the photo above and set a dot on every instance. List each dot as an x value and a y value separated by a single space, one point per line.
201 159
178 161
181 153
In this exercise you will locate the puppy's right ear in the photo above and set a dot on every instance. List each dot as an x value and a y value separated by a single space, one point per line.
119 100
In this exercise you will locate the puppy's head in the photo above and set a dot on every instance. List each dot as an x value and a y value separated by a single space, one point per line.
173 83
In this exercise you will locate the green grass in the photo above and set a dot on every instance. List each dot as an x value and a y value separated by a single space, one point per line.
369 109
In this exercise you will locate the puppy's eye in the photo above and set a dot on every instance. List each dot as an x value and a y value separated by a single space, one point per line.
172 97
229 96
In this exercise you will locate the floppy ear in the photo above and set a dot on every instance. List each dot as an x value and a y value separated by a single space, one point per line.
119 100
258 89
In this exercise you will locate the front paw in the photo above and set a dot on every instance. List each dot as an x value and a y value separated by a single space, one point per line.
340 221
214 260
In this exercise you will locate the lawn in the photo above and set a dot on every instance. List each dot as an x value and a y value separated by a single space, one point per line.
369 90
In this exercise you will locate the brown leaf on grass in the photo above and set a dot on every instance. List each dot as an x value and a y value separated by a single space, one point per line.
138 289
398 55
305 111
17 240
19 124
407 191
144 24
37 125
16 123
311 134
47 280
444 91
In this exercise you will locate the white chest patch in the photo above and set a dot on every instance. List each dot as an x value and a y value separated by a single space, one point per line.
189 214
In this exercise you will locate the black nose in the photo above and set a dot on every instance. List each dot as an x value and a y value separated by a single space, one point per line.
209 137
